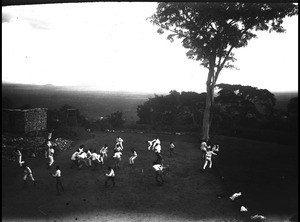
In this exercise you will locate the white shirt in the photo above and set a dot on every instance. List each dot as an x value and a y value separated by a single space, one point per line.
73 157
119 140
117 155
51 152
134 153
103 149
203 146
155 142
27 170
95 156
157 148
82 155
57 173
88 154
18 152
111 173
209 154
158 167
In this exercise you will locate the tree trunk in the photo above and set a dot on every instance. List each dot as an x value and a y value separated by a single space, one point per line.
210 84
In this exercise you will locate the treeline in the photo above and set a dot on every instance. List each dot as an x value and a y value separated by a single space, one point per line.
242 111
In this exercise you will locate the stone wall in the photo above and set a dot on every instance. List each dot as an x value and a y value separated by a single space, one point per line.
24 121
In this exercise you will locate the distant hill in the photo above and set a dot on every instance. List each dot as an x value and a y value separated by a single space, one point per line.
283 98
93 104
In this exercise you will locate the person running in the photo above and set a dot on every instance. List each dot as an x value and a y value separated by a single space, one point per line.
110 175
120 141
19 157
208 157
51 157
117 157
133 156
57 176
172 148
27 173
158 168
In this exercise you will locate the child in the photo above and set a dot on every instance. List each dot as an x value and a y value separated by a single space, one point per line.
28 172
149 144
110 176
172 148
88 156
118 148
57 176
208 157
82 157
134 155
120 141
158 168
96 159
159 158
104 150
74 158
19 157
117 157
51 158
203 148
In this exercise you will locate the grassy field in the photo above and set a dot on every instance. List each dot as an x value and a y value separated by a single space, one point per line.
255 168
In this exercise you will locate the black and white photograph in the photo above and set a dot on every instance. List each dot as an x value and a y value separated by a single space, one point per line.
149 111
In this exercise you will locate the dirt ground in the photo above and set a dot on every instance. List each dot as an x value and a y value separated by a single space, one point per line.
188 194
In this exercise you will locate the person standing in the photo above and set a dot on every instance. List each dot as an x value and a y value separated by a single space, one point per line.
110 175
57 176
120 141
27 173
117 157
133 156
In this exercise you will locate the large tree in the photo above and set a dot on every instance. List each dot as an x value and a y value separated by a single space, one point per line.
210 32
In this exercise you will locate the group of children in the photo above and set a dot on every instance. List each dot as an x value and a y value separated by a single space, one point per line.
49 153
91 158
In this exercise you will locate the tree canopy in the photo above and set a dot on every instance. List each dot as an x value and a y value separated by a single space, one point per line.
211 30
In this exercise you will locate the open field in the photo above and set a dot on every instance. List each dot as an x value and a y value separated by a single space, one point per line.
188 195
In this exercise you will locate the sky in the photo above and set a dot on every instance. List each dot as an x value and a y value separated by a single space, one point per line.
111 46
